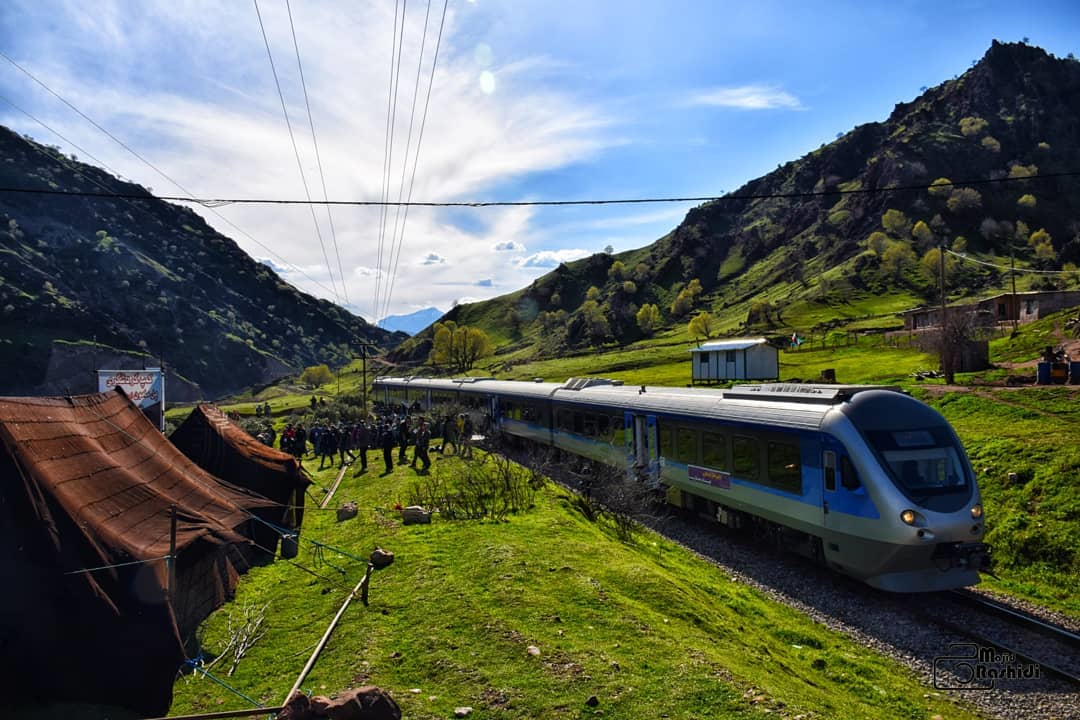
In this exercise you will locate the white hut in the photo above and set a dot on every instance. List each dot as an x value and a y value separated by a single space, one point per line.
735 359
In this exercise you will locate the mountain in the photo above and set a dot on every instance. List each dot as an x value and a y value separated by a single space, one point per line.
853 224
100 282
411 323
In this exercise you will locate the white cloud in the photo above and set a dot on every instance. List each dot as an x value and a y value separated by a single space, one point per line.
748 97
204 108
553 258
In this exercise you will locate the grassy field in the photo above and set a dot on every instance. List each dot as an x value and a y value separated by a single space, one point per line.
531 617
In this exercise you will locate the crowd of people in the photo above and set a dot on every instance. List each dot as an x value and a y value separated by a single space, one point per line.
391 430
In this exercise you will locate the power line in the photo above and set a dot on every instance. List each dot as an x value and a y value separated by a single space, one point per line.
545 203
296 150
318 157
388 142
1005 268
419 142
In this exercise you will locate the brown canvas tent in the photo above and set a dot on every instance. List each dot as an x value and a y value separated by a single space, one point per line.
226 450
88 482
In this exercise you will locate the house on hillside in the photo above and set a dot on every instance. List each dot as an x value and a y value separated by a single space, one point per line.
735 359
90 611
224 449
1023 307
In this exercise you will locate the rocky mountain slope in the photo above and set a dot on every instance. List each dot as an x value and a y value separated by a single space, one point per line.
92 282
982 163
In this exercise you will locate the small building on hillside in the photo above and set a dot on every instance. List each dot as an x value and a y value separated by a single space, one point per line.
735 359
1023 307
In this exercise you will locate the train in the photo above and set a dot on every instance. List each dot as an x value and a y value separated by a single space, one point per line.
865 479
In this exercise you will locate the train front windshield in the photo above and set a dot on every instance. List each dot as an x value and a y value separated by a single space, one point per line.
924 464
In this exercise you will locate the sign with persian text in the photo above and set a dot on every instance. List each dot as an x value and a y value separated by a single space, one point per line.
145 388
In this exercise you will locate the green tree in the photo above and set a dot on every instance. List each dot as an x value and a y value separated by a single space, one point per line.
1023 171
648 318
629 287
596 323
931 265
316 375
896 223
972 125
898 257
1027 201
991 143
940 187
963 200
617 271
701 325
877 241
459 347
593 293
924 236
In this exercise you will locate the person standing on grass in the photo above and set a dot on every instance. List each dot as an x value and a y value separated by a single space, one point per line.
403 439
423 439
361 441
386 440
466 437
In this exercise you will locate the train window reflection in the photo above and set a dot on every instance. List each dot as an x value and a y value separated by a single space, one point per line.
930 466
744 452
714 450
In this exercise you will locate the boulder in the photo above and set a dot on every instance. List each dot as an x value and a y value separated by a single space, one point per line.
414 514
381 558
347 511
364 703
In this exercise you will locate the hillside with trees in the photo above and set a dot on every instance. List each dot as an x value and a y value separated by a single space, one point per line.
973 174
92 280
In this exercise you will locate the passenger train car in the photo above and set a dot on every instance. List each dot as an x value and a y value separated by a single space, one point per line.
866 479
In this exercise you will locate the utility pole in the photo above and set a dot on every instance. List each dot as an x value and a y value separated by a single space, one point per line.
363 364
1012 276
946 351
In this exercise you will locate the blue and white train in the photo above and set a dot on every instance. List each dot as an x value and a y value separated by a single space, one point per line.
866 479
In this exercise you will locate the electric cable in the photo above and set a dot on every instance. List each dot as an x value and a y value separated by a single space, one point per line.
419 141
318 157
552 203
388 143
1007 269
296 150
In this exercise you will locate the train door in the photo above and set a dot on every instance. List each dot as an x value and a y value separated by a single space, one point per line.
830 474
642 447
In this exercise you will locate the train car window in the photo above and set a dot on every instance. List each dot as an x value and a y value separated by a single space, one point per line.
830 470
579 423
564 420
590 425
714 450
848 477
686 445
744 456
603 427
785 467
667 449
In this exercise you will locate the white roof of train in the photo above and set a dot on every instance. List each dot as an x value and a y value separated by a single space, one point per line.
788 405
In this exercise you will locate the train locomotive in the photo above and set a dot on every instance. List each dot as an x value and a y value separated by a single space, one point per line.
865 479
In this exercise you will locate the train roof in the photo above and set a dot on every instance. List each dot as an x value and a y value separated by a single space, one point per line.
794 405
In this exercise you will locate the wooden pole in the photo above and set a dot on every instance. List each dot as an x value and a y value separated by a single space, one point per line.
171 579
224 714
362 585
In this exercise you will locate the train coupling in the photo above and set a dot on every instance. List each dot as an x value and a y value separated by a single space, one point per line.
975 556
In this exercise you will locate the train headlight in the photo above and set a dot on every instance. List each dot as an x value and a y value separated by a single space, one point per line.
976 511
910 517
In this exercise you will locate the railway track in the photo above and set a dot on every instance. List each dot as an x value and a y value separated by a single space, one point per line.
1056 655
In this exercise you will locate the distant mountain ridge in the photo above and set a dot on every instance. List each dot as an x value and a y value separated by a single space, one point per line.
863 215
411 323
90 280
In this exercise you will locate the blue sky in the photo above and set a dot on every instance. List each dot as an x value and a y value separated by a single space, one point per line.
530 100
